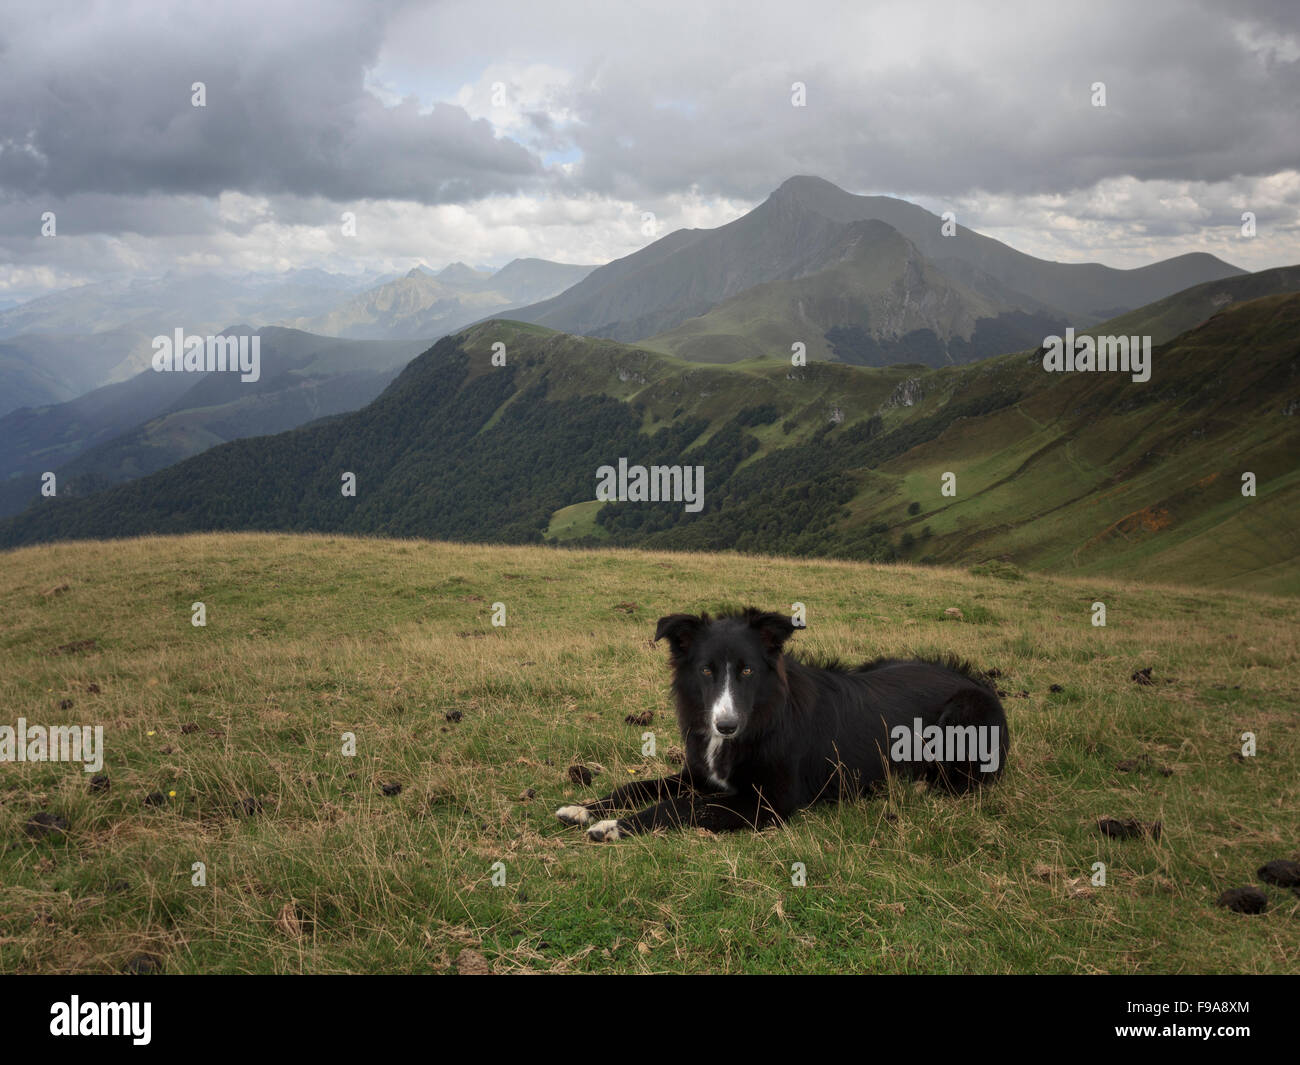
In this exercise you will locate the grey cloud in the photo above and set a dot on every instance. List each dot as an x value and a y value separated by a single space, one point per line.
84 214
941 103
1185 100
286 113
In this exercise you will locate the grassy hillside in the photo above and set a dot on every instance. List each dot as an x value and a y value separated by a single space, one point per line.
1167 318
1092 474
1062 473
311 637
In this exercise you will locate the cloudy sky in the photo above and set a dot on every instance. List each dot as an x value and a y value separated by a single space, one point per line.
482 131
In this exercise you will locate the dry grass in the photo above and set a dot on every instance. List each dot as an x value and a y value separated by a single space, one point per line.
311 637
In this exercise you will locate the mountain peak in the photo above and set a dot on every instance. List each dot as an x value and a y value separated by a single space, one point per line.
806 184
804 192
458 273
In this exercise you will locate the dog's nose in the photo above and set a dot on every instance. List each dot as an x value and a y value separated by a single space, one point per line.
727 726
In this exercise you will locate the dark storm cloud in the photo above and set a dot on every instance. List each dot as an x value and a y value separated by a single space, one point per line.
93 104
931 99
672 106
956 102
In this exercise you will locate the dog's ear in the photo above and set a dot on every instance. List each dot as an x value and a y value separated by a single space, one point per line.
680 630
773 629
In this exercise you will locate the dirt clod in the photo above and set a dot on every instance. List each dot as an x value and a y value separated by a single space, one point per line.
1128 829
45 824
1244 900
76 647
1280 872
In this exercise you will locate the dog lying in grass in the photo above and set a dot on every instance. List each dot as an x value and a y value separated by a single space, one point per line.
767 734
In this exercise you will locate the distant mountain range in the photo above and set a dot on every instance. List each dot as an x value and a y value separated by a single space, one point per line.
1085 473
60 346
37 369
923 356
870 280
88 407
152 420
866 279
428 304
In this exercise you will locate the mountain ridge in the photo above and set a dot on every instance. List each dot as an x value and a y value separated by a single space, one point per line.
152 420
427 304
688 272
1069 473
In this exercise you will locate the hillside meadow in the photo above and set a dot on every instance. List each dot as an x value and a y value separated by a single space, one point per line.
225 747
1190 480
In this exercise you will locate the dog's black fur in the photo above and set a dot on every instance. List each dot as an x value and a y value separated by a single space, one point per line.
804 732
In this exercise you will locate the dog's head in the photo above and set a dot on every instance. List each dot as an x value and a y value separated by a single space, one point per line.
728 672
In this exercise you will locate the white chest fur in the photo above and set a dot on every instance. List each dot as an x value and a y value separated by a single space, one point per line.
712 757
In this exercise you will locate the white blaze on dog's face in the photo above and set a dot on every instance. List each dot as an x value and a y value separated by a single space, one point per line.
724 720
725 712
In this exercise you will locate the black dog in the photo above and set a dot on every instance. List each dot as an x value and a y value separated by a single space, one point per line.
767 735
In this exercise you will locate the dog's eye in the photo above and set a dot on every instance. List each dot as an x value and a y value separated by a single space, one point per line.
707 671
746 671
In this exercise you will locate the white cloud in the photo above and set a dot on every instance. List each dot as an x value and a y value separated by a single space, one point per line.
1127 223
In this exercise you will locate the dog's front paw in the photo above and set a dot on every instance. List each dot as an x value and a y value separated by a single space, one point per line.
574 815
605 832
